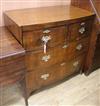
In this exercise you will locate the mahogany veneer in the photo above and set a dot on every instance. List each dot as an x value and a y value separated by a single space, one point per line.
94 6
11 57
56 40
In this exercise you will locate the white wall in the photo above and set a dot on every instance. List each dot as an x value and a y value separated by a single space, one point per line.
18 4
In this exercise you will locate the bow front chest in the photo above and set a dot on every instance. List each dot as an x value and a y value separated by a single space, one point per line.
56 40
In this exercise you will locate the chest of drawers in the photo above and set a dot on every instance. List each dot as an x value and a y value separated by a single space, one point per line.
56 40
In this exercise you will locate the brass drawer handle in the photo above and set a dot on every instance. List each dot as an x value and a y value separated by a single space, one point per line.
75 64
45 76
79 47
83 23
65 46
46 31
46 58
45 40
82 30
62 64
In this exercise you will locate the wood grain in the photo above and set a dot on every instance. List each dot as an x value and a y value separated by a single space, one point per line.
8 45
25 17
92 56
63 22
32 40
12 63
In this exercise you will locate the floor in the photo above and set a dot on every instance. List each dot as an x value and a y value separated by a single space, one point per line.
78 91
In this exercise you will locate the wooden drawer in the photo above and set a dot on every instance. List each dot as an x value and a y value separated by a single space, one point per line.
58 72
47 76
79 30
33 40
13 60
11 78
78 47
53 56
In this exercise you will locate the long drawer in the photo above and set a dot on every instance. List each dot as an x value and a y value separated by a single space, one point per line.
33 40
47 76
53 56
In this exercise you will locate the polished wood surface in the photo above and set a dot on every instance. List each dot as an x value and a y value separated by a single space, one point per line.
19 21
25 17
33 40
55 73
94 63
56 40
9 46
56 54
11 58
74 30
12 62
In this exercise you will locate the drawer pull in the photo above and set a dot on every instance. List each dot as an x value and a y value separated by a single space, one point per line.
46 31
79 47
83 23
65 46
45 40
75 64
82 30
45 76
62 64
46 58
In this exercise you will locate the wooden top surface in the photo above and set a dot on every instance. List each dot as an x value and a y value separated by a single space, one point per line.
8 44
42 15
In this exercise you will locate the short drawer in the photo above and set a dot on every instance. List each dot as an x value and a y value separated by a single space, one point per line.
80 30
47 76
39 59
34 40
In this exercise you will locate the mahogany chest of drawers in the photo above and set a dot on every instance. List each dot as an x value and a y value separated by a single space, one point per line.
56 40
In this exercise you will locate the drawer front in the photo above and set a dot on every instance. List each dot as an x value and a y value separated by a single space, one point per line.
79 30
12 70
58 72
78 47
47 76
51 37
54 55
12 60
12 67
11 78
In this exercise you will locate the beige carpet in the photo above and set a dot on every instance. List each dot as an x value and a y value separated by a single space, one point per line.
78 91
